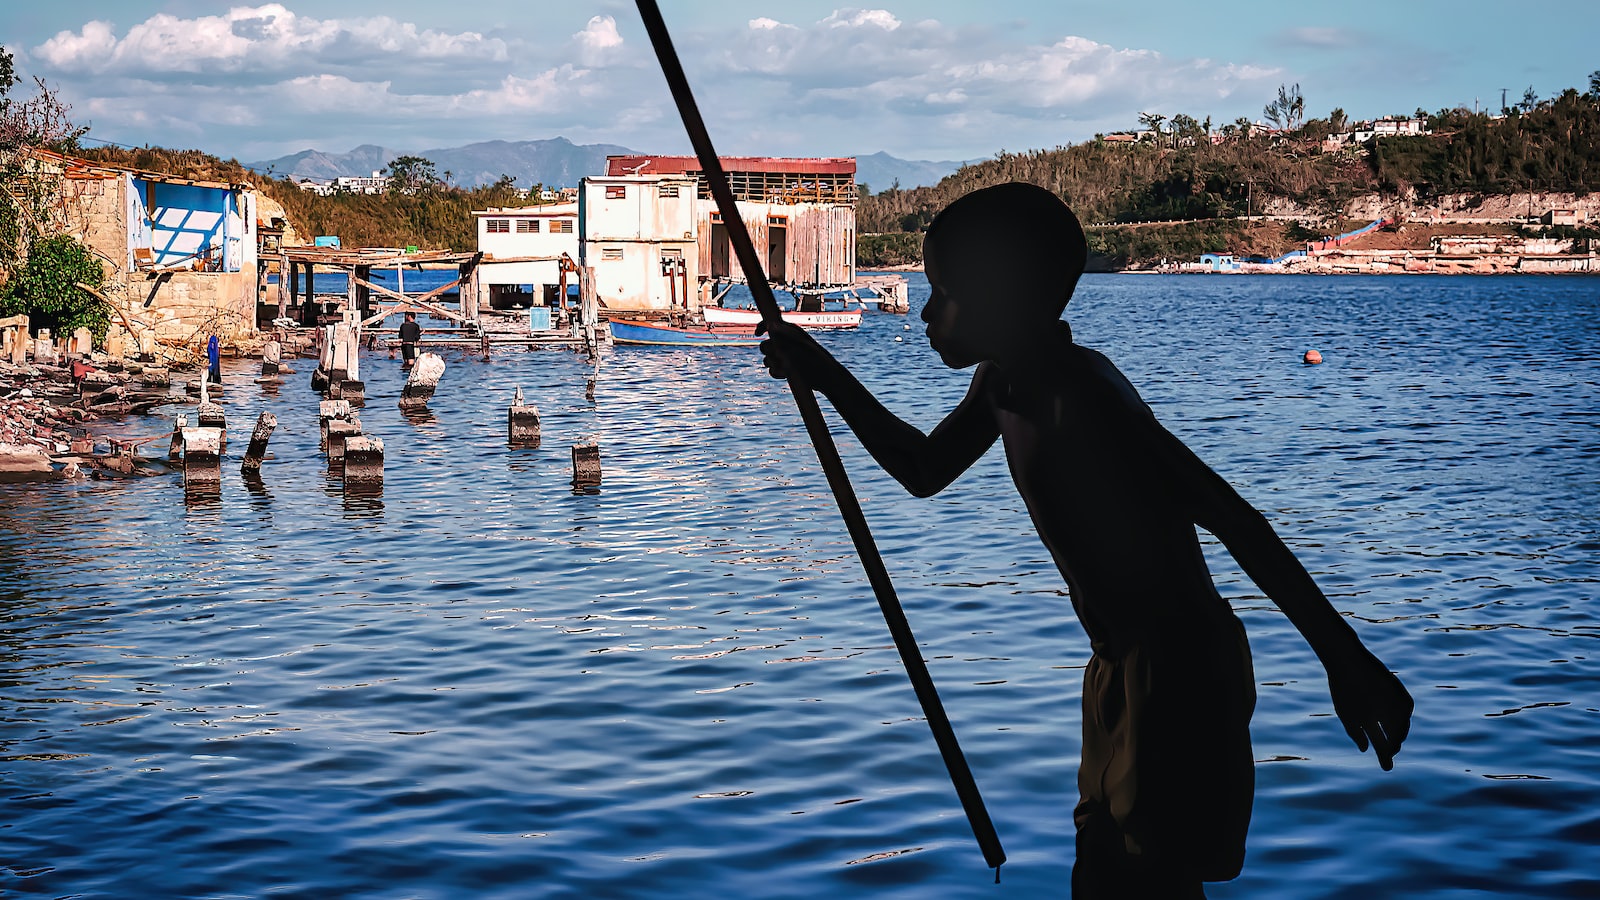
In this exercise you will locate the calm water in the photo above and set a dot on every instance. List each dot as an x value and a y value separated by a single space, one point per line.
483 685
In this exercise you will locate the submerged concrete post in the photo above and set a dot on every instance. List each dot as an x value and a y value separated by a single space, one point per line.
424 378
327 411
522 423
202 460
340 431
258 445
156 376
586 465
175 451
271 355
588 389
212 416
363 461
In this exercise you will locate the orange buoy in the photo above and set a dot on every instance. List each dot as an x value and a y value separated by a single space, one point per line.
1312 358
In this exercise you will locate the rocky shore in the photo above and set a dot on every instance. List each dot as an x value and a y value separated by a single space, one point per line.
49 416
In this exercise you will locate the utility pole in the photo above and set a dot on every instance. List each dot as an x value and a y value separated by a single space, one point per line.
1503 101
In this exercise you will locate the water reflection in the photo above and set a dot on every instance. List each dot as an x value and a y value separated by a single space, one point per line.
364 501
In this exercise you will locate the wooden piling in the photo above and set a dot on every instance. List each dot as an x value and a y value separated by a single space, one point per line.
423 380
202 460
522 423
363 461
175 451
586 465
251 467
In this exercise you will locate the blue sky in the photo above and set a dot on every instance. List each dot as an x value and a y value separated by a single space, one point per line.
937 79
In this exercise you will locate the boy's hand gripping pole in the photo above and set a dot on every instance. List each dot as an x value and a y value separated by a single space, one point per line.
827 453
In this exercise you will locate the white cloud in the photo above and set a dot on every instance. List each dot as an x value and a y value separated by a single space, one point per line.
254 39
852 80
862 18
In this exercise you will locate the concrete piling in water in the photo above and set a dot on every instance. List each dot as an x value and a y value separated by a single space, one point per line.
588 389
212 416
176 450
363 461
251 467
202 460
327 411
156 376
522 423
423 380
340 431
585 465
271 356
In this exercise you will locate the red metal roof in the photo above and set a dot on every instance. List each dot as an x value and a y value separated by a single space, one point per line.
677 165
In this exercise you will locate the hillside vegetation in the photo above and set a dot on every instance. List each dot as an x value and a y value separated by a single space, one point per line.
1179 174
1550 146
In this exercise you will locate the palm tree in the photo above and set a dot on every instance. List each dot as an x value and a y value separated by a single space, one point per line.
1153 121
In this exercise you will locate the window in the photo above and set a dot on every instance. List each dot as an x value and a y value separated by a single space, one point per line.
780 221
611 254
527 226
561 226
616 191
499 226
667 190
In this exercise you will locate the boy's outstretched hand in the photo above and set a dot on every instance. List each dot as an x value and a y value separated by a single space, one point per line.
789 350
1372 704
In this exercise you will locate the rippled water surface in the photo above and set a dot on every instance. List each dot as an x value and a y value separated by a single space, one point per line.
483 685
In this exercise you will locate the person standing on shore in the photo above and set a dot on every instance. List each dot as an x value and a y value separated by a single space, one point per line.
410 336
1167 777
214 360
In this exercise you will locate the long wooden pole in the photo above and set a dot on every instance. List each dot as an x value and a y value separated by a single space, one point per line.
827 454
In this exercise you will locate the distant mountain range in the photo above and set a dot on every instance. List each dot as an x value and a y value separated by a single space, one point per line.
556 162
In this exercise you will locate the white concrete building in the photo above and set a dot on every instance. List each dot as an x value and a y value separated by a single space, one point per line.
639 236
522 250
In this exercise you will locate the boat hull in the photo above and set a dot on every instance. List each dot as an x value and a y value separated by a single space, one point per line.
629 331
841 318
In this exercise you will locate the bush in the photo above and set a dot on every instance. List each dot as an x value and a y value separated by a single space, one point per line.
45 288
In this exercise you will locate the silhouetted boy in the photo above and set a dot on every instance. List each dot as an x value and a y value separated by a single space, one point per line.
1167 776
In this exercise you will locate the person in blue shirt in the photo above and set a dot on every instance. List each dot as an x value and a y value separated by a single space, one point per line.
214 359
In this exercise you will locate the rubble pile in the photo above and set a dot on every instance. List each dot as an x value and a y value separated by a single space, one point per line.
46 415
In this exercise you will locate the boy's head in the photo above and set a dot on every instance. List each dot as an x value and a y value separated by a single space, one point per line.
1019 240
1002 263
411 317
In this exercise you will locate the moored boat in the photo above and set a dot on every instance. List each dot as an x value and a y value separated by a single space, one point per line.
633 331
749 318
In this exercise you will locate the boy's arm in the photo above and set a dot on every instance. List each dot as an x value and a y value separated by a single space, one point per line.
1370 701
924 464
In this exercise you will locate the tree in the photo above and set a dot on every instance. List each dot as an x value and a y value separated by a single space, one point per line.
1288 110
1153 121
411 175
1186 128
1594 86
1530 100
1337 120
43 271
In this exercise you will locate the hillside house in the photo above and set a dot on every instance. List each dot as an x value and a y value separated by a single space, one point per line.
179 254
